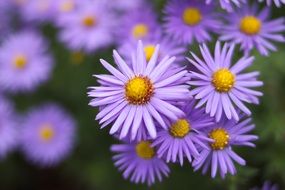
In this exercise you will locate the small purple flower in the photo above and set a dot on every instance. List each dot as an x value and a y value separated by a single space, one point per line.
24 62
140 93
220 84
183 135
278 3
228 4
88 27
252 29
125 5
219 156
139 163
65 6
8 132
267 186
189 20
47 135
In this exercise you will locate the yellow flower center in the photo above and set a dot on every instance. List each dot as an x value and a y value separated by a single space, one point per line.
67 6
140 31
223 80
144 150
89 21
149 50
180 128
77 57
220 137
20 61
250 25
46 132
192 16
139 90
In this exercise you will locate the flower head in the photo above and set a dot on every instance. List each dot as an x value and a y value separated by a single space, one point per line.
252 28
138 161
228 4
47 135
221 85
139 93
220 156
187 21
24 62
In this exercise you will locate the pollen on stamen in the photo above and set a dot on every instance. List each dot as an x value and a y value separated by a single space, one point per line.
140 31
20 61
250 25
144 150
192 16
149 50
180 128
223 80
220 137
46 132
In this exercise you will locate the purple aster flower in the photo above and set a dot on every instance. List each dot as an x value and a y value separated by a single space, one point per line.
139 163
189 20
47 135
183 135
278 3
228 4
24 62
167 47
143 24
267 186
65 6
140 93
253 29
8 132
219 156
125 5
88 27
221 85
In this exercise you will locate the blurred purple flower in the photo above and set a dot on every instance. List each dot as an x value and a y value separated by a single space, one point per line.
278 3
24 62
189 20
47 135
219 156
220 84
138 161
228 4
252 29
140 93
267 186
183 135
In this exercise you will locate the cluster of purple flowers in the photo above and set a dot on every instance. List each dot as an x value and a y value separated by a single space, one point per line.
167 106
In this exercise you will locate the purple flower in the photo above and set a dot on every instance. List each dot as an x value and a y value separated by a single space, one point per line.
183 135
24 62
88 27
8 132
138 161
125 5
228 4
4 18
189 20
267 186
221 85
47 135
220 156
278 3
252 28
140 93
65 6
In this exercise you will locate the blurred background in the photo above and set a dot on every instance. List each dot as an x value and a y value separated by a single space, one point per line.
90 165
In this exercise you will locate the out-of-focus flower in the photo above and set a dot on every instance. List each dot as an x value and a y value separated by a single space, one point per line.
88 27
183 135
4 19
220 156
228 4
8 132
139 163
65 6
140 93
278 3
47 135
189 20
24 62
267 186
221 85
253 29
125 5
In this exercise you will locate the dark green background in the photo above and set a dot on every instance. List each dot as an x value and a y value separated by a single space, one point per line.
90 165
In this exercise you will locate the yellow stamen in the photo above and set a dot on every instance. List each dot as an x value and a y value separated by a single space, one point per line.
250 25
46 132
180 128
144 150
89 21
223 80
220 137
149 50
20 61
140 31
192 16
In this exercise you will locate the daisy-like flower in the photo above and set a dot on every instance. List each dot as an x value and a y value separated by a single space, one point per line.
8 132
189 20
228 4
65 6
220 84
220 156
87 28
278 3
183 135
252 28
140 93
24 62
139 163
47 135
167 47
